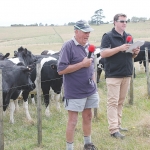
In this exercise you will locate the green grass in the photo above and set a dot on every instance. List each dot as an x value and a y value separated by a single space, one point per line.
23 134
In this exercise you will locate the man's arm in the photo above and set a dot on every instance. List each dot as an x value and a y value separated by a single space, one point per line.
72 68
106 51
110 52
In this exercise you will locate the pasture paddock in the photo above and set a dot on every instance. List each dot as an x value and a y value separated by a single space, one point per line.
23 135
42 38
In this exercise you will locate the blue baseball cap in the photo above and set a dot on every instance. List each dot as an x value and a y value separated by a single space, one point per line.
83 26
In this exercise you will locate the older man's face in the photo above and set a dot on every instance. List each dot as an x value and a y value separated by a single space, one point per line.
82 37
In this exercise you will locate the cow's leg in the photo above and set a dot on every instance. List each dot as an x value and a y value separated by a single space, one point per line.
57 99
4 113
25 104
45 90
134 73
52 95
16 105
140 65
12 109
62 93
144 63
32 99
99 71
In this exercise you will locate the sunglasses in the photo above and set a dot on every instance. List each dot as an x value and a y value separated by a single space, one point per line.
122 21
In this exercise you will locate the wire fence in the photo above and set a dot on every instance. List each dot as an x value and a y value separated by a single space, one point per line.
54 128
43 130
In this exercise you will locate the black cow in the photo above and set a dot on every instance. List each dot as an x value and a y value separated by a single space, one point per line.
10 83
49 76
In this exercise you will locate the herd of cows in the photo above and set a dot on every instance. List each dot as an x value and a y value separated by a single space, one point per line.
19 76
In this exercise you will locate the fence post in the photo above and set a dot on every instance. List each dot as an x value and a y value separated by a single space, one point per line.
39 107
147 71
95 67
130 93
1 114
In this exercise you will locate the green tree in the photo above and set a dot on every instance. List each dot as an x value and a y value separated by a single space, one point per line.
97 17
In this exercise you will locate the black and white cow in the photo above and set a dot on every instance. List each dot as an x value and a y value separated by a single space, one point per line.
49 76
54 54
99 62
11 85
141 56
25 92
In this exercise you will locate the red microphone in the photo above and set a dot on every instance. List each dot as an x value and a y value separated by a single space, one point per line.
91 49
128 39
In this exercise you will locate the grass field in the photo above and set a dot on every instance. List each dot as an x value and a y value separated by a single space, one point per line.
23 134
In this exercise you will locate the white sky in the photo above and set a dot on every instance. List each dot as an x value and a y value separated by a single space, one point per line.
59 12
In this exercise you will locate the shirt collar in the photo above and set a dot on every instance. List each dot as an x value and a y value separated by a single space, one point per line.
76 43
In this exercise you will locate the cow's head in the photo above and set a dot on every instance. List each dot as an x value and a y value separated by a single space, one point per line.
24 78
25 55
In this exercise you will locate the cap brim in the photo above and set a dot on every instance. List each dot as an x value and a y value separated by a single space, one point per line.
87 29
84 29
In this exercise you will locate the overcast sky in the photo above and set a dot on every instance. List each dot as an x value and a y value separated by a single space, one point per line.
59 12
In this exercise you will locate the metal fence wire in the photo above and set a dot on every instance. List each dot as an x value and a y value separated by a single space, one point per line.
50 132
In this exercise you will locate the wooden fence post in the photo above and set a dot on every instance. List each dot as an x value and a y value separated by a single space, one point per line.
130 93
1 114
39 107
95 67
147 71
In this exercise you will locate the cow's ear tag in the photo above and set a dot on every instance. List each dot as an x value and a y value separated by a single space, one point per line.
28 68
53 66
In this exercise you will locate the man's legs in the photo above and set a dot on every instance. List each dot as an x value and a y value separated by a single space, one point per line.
72 121
86 124
123 92
113 91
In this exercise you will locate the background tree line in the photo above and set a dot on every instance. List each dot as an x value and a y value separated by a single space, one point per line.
96 19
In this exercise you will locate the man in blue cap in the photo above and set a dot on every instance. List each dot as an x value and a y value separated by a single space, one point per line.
80 90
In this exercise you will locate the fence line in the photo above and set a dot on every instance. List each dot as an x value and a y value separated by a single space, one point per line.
39 113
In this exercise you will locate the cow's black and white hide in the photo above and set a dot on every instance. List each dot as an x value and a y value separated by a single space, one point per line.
48 52
54 54
11 85
49 78
99 62
141 56
29 60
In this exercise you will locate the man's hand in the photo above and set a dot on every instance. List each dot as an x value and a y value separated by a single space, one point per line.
124 47
136 51
86 62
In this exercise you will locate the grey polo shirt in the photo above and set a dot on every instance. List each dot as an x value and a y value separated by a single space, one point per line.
78 84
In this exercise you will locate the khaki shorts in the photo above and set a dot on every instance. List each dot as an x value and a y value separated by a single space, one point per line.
79 105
